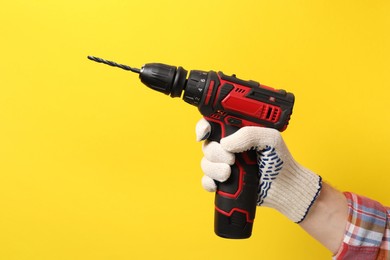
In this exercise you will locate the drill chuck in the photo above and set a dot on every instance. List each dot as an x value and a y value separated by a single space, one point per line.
164 78
173 81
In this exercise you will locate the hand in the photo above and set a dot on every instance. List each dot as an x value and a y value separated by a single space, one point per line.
284 184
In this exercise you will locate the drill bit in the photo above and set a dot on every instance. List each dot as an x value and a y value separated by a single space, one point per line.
114 64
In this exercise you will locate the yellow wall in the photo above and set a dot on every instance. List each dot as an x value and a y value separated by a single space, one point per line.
93 165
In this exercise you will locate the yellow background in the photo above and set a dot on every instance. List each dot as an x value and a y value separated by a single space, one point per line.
93 165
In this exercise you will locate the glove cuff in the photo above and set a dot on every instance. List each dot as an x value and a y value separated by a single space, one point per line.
293 192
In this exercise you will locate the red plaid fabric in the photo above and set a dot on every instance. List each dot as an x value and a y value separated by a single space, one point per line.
367 234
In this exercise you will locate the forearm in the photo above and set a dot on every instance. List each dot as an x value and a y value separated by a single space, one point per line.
327 218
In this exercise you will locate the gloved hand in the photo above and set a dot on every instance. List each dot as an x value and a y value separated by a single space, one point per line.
284 184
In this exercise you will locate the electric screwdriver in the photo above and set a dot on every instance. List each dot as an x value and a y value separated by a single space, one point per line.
227 103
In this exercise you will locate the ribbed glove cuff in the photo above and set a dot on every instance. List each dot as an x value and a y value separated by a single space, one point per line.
293 191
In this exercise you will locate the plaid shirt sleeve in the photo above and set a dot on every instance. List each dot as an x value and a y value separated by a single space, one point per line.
367 234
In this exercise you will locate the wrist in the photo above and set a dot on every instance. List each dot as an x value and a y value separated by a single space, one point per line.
327 218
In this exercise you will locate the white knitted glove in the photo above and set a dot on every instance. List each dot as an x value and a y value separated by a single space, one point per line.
284 184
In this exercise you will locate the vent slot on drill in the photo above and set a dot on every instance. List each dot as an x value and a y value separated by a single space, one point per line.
239 90
271 113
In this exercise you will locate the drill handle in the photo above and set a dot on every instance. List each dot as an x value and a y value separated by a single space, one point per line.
236 198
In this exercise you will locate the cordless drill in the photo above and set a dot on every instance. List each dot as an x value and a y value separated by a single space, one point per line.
227 103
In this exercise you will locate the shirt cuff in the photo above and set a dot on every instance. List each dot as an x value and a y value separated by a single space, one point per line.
365 229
